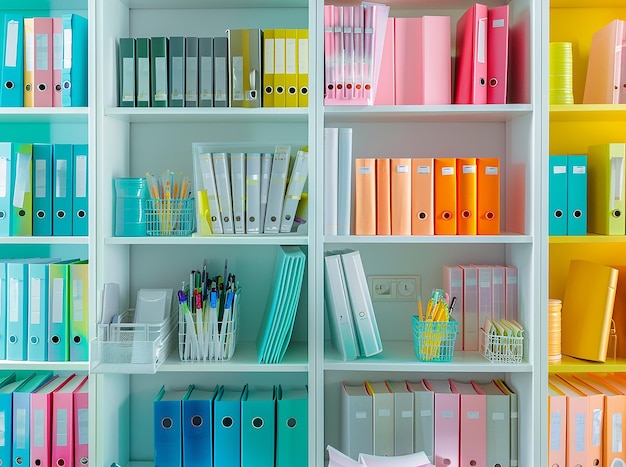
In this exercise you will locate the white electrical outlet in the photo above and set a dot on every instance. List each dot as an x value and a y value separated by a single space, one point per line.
402 288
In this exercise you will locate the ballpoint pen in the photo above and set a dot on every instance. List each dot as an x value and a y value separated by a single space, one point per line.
190 329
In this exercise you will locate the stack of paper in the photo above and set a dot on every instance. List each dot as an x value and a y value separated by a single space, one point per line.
280 311
561 87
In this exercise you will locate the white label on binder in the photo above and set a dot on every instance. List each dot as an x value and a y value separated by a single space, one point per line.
58 290
14 298
221 83
177 78
268 57
491 170
384 413
290 56
559 169
38 428
425 413
35 301
481 56
81 176
237 78
596 427
128 79
279 56
402 169
3 177
160 92
41 41
469 169
10 55
191 76
40 178
60 188
447 414
407 414
473 415
423 169
497 416
77 299
83 426
365 170
447 171
555 431
57 54
20 429
206 71
579 432
29 52
62 427
143 79
3 430
303 56
67 48
579 169
22 179
360 415
497 23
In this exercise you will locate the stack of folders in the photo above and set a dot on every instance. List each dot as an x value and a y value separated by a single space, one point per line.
606 80
209 71
353 48
585 413
337 458
43 418
351 317
606 192
264 427
45 317
454 422
481 291
561 73
567 200
60 77
426 196
46 189
246 191
282 303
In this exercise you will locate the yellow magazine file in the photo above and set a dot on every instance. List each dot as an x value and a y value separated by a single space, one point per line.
587 310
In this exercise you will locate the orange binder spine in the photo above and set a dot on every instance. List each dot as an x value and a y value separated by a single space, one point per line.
466 195
488 196
422 184
383 196
365 196
400 196
445 196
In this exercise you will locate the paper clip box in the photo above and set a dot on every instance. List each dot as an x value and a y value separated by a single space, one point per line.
434 340
501 349
129 347
216 342
170 218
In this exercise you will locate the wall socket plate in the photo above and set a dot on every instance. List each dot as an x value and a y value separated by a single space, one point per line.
397 288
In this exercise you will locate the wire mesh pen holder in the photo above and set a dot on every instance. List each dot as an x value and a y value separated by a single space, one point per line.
170 218
434 340
501 349
202 337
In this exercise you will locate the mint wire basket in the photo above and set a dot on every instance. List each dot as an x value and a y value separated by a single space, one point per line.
434 340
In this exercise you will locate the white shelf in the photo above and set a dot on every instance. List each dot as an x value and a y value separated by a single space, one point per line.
44 115
208 115
79 367
213 4
45 240
504 238
212 240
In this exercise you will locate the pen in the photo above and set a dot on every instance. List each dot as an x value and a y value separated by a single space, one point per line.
419 308
452 303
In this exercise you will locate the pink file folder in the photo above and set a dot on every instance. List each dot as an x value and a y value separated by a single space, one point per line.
57 60
473 424
63 433
447 406
497 54
386 91
471 56
43 62
604 66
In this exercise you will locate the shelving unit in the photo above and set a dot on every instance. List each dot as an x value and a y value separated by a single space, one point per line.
128 142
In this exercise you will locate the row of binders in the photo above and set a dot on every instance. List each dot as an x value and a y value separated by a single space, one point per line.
247 68
44 61
351 317
44 418
452 422
45 189
587 192
585 413
482 292
249 192
45 316
264 427
427 196
281 305
370 58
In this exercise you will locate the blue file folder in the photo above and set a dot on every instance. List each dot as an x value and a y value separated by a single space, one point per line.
557 195
21 418
227 428
80 189
21 190
37 345
62 176
10 383
42 189
6 161
17 306
168 449
58 311
74 72
197 415
258 424
12 64
292 427
577 195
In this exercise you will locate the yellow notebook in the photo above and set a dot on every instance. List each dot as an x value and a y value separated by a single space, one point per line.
587 310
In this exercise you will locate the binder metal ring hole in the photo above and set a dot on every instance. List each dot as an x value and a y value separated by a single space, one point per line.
21 213
28 87
358 86
340 86
81 214
292 91
493 82
304 90
422 215
596 462
13 339
349 86
58 88
330 87
37 461
291 422
60 214
9 84
558 213
257 422
482 81
252 218
226 219
67 85
77 339
196 420
617 213
55 339
19 460
34 340
472 463
42 87
41 214
253 94
269 89
61 462
167 423
288 217
368 87
447 215
447 462
490 215
213 218
84 460
2 214
227 422
466 214
279 89
577 213
237 218
273 218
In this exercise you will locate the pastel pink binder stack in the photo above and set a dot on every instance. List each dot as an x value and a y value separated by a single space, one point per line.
604 69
